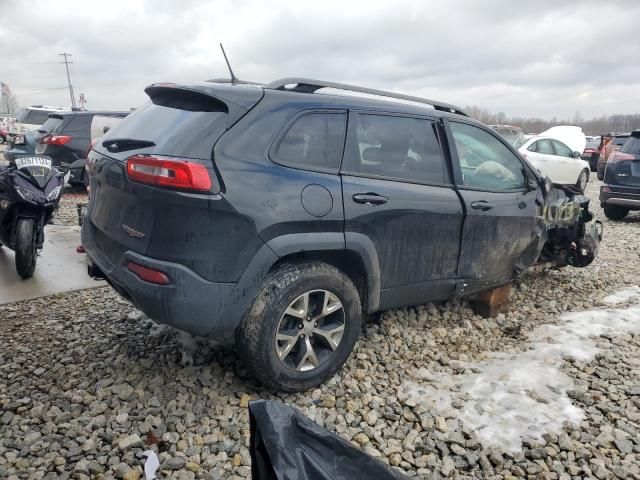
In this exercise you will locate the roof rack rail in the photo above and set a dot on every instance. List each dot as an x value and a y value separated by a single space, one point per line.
308 85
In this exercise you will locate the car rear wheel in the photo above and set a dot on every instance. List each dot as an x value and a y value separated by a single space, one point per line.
615 212
301 327
26 253
583 179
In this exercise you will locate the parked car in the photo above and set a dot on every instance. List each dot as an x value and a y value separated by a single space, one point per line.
555 159
4 135
66 138
514 135
21 145
620 192
609 144
30 118
259 215
590 151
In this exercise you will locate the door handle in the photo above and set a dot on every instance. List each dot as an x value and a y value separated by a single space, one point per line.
369 199
481 205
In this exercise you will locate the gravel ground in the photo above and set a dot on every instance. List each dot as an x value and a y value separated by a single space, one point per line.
86 384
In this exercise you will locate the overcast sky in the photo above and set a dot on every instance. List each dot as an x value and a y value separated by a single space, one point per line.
545 58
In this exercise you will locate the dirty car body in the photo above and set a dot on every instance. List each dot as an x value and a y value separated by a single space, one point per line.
411 203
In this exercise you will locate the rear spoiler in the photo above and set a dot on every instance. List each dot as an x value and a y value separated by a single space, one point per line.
235 100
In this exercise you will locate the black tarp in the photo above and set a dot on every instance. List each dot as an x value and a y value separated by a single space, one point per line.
285 445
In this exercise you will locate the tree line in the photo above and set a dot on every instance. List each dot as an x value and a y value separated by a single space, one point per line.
594 126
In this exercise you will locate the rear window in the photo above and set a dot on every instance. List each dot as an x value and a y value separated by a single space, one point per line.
51 125
631 146
175 131
314 142
36 117
620 140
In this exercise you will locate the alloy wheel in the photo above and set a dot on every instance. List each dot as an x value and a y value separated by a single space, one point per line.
310 330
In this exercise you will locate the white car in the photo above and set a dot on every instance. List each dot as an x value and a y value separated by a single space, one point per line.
556 160
30 118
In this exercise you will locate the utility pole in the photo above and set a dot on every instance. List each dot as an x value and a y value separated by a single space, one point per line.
66 64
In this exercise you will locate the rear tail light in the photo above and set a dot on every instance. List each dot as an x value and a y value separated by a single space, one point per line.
148 274
620 157
55 139
168 172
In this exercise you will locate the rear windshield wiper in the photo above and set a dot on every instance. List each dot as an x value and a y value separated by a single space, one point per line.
122 144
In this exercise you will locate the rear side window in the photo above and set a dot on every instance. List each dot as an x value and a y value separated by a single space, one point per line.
313 142
631 146
393 147
51 125
542 146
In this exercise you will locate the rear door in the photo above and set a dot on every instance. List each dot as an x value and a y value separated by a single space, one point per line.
399 201
542 156
623 169
499 228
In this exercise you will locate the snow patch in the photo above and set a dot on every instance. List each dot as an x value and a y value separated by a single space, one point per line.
622 296
515 396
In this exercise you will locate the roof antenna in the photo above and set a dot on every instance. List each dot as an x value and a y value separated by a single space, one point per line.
234 79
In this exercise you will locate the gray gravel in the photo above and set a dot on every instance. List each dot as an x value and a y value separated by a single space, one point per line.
86 384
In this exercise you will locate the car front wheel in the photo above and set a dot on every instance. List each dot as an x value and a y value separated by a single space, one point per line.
302 326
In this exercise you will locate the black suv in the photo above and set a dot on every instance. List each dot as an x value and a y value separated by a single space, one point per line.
278 215
620 192
66 138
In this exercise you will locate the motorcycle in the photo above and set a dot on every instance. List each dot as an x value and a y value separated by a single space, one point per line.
30 190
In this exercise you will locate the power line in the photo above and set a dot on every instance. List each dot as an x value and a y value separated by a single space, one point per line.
66 64
29 63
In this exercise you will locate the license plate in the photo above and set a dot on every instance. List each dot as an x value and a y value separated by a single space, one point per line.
25 162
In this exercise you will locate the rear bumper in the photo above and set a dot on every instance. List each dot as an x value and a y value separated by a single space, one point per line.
629 200
189 302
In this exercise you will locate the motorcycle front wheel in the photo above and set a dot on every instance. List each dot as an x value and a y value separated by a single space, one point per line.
26 254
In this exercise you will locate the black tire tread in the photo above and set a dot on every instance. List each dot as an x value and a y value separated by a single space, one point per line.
249 341
615 212
25 256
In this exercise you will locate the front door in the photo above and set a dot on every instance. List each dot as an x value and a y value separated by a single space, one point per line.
399 201
499 228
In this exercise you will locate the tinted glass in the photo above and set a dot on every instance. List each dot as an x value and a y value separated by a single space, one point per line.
620 140
21 114
36 117
314 141
562 149
486 162
174 131
395 147
51 125
631 146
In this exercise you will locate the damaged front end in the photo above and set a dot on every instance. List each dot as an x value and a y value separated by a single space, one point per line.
572 234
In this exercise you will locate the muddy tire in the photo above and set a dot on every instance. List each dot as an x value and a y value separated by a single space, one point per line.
26 254
302 326
615 212
583 179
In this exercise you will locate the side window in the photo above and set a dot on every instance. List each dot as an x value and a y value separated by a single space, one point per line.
486 162
544 146
314 141
392 147
562 149
533 147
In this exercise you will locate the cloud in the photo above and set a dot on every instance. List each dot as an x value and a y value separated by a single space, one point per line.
544 58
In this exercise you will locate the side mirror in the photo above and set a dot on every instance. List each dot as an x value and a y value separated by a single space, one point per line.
576 154
532 185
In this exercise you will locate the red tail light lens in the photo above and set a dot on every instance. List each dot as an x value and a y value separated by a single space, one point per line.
148 274
620 157
55 139
168 172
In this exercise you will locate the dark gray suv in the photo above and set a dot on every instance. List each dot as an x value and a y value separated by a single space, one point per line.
278 216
